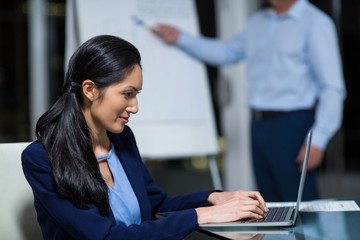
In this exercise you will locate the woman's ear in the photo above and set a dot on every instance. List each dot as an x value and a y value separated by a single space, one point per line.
89 90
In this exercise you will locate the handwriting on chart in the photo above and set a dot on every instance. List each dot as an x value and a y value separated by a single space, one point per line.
160 9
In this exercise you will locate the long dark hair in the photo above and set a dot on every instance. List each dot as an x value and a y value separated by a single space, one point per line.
63 130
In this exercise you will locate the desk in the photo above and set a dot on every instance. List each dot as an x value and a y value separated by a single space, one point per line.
309 225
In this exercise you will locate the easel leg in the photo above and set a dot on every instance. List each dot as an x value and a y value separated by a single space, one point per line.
215 175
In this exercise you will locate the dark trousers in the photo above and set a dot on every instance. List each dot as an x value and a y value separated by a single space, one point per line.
276 142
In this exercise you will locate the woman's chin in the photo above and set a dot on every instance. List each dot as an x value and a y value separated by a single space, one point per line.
117 129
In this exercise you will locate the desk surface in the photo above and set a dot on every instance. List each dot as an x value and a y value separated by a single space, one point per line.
309 225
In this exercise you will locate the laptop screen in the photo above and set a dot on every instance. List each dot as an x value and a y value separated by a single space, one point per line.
303 175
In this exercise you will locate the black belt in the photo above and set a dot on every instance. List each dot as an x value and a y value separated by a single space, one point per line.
259 115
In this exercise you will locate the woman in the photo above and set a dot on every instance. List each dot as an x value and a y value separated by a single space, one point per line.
85 170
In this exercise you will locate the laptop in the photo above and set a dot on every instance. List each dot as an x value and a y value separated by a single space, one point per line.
276 216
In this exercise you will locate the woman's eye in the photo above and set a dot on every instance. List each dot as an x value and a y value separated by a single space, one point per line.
127 94
130 94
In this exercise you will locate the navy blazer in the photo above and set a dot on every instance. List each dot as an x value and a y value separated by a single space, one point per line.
59 218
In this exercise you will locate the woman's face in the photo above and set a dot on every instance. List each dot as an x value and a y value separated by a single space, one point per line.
112 111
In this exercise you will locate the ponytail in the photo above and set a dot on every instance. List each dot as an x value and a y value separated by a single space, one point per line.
64 133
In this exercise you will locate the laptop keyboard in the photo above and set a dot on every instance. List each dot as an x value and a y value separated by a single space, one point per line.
276 214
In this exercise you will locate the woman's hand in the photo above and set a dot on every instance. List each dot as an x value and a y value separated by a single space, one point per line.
232 206
220 197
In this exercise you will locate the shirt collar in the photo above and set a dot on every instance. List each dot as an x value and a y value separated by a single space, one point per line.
296 11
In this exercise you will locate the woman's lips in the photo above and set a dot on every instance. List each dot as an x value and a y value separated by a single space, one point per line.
124 119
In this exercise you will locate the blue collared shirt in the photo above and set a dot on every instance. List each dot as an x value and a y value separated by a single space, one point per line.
123 201
292 62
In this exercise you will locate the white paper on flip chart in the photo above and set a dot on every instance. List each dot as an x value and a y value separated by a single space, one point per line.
320 205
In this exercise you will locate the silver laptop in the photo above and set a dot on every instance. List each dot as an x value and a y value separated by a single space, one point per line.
277 216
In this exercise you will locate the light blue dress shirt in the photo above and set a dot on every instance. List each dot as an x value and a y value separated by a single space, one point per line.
123 201
292 61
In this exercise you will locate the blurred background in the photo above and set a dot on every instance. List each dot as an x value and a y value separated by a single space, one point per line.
339 175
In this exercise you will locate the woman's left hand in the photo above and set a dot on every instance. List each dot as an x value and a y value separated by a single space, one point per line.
221 197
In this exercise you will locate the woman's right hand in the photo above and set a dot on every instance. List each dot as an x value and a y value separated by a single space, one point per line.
232 210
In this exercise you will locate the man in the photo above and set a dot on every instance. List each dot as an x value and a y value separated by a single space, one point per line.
295 82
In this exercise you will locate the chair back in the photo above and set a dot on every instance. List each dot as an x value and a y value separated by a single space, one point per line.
18 216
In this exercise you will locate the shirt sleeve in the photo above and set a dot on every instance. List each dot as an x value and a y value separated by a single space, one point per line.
325 61
57 214
212 51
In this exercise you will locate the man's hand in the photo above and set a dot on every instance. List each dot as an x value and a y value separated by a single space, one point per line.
166 32
316 157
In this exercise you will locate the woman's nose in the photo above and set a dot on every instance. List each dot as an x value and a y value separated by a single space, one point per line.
133 106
